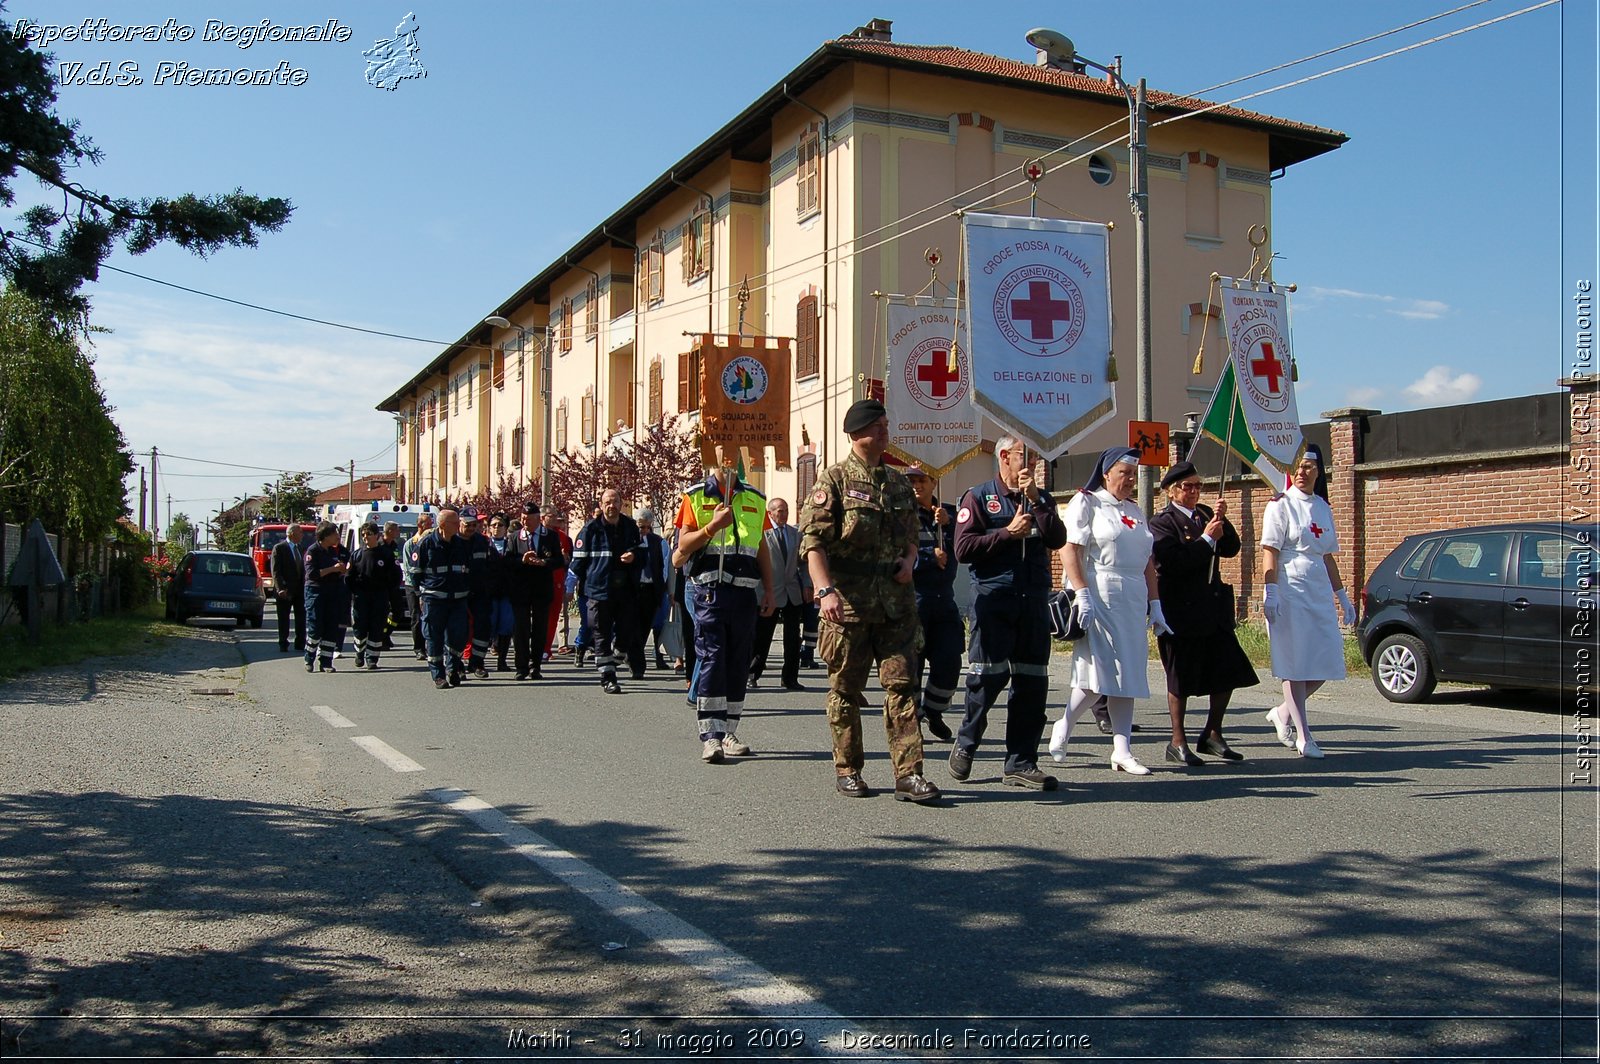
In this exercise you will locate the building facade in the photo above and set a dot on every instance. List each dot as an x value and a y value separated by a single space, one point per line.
830 187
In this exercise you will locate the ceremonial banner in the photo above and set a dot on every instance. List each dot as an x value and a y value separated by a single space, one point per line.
1038 326
744 393
1260 377
931 418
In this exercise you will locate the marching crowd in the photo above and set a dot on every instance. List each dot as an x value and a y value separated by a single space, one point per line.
867 578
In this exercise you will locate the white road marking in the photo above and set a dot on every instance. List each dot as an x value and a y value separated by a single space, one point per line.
336 719
386 753
746 982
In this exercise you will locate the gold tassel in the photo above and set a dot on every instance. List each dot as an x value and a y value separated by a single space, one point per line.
1199 362
1294 370
1111 368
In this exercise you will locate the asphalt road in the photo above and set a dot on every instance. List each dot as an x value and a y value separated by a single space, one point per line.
1422 892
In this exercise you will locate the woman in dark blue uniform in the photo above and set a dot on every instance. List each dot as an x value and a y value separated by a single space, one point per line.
327 598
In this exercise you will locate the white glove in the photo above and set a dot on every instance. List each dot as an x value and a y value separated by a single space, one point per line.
1345 605
1158 620
1269 605
1085 607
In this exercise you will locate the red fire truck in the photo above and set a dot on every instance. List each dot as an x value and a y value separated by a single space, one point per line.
266 535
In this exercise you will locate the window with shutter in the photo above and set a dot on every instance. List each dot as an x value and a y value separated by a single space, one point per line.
591 310
566 325
653 389
469 463
586 422
689 381
561 427
404 421
807 362
808 173
500 450
805 471
655 270
498 368
455 467
472 385
516 446
697 246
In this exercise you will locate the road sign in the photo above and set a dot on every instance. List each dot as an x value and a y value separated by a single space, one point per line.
1151 439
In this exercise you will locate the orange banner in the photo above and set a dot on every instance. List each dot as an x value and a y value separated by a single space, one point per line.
744 394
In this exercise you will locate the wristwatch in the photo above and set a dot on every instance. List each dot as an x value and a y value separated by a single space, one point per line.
824 592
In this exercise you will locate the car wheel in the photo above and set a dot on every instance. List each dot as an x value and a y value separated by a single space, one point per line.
1401 669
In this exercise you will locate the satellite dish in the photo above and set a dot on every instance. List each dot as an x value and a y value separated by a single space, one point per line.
1057 46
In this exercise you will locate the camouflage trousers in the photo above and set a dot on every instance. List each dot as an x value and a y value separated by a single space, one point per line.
850 650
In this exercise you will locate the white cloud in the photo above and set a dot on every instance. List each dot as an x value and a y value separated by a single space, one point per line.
1442 386
1400 307
1365 395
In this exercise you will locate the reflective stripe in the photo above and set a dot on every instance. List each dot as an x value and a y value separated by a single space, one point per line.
428 592
711 576
987 668
1030 670
743 549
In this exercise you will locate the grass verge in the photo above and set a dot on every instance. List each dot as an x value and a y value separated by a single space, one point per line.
71 643
1258 648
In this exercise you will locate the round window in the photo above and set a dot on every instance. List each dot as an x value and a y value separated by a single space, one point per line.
1101 171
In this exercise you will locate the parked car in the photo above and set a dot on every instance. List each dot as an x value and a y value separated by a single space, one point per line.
1505 605
215 583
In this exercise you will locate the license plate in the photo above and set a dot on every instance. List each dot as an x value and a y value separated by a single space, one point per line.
222 605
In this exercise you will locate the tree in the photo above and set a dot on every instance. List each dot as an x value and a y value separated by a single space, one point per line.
63 247
290 496
62 457
180 537
666 460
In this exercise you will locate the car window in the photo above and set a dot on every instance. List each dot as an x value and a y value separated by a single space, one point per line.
1542 559
226 566
1419 559
1472 559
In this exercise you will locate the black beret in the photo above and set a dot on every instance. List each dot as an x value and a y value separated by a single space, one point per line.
862 414
530 507
1180 471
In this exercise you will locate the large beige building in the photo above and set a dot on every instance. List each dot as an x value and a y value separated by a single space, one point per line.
830 187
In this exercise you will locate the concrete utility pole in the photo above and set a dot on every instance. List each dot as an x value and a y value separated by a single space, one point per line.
142 499
155 501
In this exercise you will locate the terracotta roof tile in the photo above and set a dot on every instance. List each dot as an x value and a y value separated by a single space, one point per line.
951 58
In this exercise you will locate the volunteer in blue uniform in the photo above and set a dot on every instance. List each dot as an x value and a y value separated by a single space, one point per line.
943 632
440 561
727 585
605 559
327 599
1006 530
371 580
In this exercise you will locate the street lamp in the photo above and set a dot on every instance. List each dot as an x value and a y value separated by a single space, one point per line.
1061 51
350 469
500 322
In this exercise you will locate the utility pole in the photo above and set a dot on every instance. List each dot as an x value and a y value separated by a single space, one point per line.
351 499
169 509
155 499
142 499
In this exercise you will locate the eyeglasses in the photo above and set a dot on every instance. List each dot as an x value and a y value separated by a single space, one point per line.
1189 485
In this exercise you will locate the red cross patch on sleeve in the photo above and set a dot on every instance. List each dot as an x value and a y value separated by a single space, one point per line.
821 497
964 514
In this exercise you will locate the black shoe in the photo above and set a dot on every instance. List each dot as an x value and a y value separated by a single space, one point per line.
327 666
372 664
536 674
581 658
283 648
388 644
637 675
1029 776
361 661
1218 747
481 673
938 728
500 666
661 663
752 683
420 655
852 785
913 788
795 686
1103 723
311 666
1182 755
960 764
523 675
455 679
611 687
441 683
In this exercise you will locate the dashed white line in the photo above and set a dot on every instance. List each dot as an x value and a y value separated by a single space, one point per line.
745 981
386 753
338 720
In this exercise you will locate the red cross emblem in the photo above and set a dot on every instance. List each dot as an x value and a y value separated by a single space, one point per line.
1040 311
1130 522
1315 531
1267 367
1034 171
937 374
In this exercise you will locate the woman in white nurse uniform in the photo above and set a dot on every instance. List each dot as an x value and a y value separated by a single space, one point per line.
1302 583
1107 564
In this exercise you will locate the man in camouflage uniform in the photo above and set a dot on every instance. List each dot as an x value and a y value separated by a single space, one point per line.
859 539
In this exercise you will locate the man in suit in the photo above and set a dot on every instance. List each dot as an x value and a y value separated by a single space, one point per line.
791 591
1201 654
654 569
289 587
535 551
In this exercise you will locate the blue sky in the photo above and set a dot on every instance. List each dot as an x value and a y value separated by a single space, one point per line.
1434 254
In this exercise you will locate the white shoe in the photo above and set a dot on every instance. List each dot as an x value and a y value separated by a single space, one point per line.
733 747
1129 764
1284 728
1059 736
1308 748
711 750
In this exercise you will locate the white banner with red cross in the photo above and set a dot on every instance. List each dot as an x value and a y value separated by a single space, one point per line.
1256 317
1038 326
928 394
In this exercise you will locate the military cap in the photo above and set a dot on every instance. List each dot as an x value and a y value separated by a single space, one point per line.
862 414
1179 471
